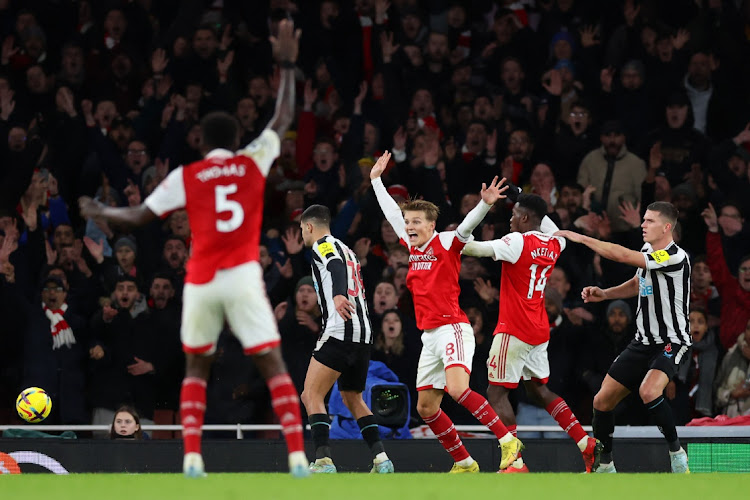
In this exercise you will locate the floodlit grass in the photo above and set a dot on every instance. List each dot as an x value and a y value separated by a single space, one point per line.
366 486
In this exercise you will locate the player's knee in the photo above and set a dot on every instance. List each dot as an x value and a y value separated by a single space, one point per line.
306 398
649 393
456 391
602 402
427 409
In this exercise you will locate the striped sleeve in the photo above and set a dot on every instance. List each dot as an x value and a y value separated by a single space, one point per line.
668 260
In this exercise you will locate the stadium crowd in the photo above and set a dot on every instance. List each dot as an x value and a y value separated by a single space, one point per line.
598 107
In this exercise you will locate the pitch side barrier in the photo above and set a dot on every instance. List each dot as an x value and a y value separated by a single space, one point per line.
711 449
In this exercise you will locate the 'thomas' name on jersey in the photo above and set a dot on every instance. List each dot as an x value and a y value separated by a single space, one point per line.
432 280
528 261
327 252
223 196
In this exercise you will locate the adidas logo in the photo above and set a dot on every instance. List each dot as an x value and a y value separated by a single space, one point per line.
190 420
450 359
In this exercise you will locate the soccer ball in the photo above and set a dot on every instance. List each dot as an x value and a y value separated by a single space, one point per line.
33 404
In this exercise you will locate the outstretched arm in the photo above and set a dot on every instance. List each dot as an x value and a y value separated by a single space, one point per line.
390 208
479 249
127 216
285 50
607 250
489 196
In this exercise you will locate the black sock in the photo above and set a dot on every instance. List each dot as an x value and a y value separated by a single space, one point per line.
664 419
319 428
371 434
604 427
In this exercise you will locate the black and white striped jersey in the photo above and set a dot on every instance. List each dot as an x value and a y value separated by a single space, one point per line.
329 254
664 297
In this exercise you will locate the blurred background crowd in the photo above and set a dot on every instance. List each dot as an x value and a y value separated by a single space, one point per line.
598 107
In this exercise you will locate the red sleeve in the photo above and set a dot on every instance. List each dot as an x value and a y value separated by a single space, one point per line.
306 130
720 274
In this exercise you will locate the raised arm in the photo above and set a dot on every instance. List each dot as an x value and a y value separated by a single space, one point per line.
489 196
285 50
607 250
479 249
390 208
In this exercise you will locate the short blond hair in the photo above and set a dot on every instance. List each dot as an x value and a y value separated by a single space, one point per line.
431 211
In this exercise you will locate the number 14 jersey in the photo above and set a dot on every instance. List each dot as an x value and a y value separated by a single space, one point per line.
528 261
223 196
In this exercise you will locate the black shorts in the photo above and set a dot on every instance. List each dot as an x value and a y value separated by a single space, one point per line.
350 359
631 366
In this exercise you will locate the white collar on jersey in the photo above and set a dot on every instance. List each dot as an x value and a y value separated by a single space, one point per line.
219 153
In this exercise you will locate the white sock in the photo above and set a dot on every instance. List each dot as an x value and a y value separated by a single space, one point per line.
507 438
466 462
380 458
583 443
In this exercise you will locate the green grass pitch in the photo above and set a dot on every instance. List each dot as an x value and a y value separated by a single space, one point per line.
366 486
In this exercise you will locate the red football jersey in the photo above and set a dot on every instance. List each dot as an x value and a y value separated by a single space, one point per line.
529 260
223 196
433 281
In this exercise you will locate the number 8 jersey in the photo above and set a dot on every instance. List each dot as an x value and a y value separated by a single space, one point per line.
357 329
528 261
223 196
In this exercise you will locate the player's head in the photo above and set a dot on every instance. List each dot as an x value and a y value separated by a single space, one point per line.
659 221
528 213
219 130
314 220
420 217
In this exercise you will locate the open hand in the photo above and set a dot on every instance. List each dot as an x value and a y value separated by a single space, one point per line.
494 192
379 167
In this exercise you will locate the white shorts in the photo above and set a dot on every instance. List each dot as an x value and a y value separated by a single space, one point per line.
442 348
238 295
512 360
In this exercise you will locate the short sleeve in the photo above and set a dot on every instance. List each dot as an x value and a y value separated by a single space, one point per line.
263 150
664 260
169 195
452 241
508 248
326 250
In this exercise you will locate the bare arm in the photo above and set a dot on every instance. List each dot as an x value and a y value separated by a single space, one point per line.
623 291
128 216
607 250
285 49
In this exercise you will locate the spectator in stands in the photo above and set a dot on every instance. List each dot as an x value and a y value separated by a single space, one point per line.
733 380
299 324
614 172
126 424
734 292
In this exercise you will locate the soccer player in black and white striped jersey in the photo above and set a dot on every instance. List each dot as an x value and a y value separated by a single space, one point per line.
343 349
662 342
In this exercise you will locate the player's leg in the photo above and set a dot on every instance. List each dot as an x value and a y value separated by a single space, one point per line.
625 374
430 387
250 315
536 375
352 382
609 396
202 320
590 447
318 381
504 370
285 403
369 429
651 392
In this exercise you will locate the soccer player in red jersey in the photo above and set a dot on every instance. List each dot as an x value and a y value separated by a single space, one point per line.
223 196
448 340
519 346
